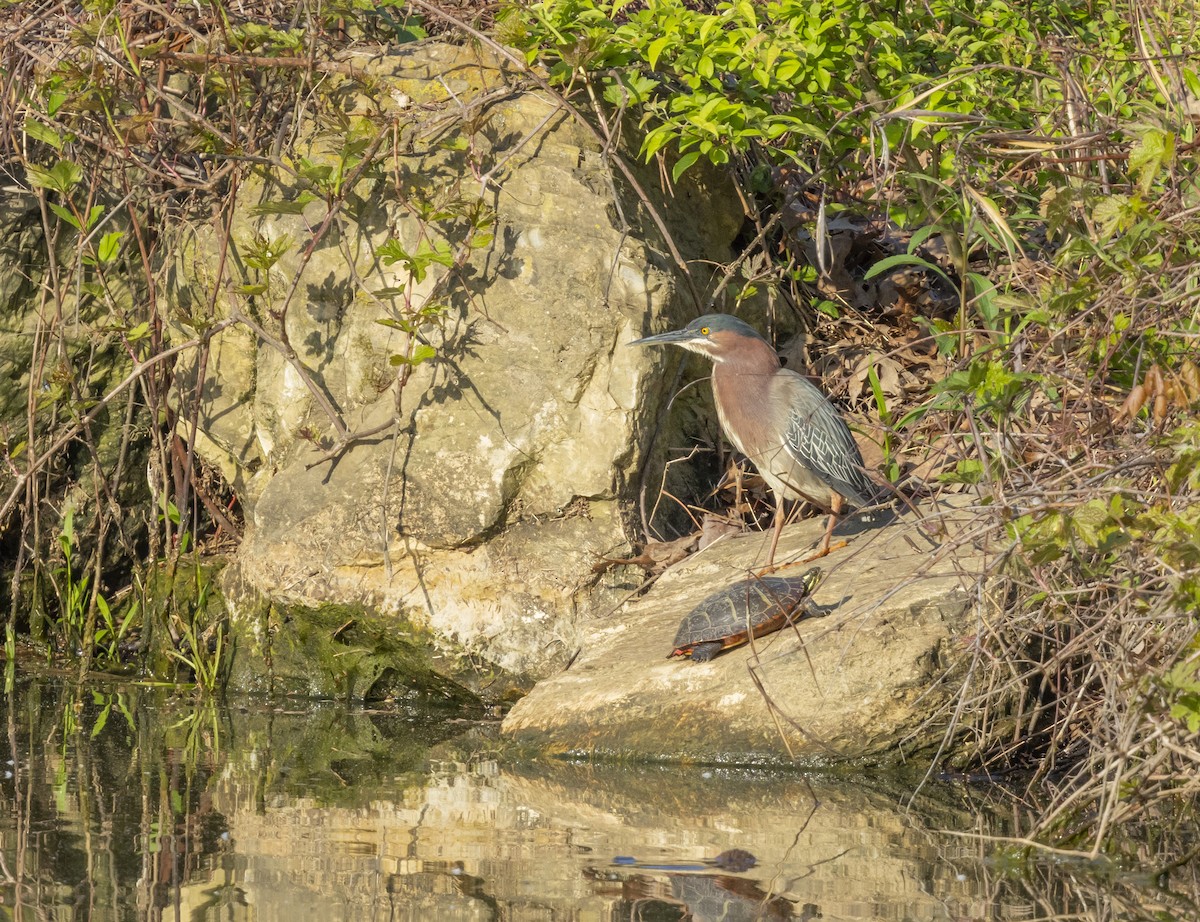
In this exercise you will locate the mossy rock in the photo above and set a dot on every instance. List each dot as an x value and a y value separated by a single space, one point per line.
345 652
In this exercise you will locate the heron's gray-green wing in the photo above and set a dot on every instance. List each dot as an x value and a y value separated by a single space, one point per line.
819 439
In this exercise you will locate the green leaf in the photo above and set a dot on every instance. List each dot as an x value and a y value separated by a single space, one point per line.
1088 521
1192 80
62 177
392 252
656 139
906 259
101 720
1187 708
683 163
984 294
877 392
920 235
65 215
1153 153
656 49
787 71
43 133
262 254
1057 206
829 309
110 245
718 156
54 101
968 470
1045 539
420 353
1112 213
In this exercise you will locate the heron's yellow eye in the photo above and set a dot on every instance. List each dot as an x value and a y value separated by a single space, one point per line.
704 331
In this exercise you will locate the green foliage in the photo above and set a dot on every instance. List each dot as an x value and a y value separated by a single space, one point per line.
111 631
989 384
1183 682
294 205
832 79
61 178
926 98
417 263
395 21
264 39
203 646
107 702
72 589
1091 532
890 464
108 247
261 255
410 322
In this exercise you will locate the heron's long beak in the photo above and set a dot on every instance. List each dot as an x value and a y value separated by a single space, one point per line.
675 336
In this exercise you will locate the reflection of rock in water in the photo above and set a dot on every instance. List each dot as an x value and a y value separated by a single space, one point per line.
442 886
729 899
701 898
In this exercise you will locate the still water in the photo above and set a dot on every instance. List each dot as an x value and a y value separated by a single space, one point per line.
120 802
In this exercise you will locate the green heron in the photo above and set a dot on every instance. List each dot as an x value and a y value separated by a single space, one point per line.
779 420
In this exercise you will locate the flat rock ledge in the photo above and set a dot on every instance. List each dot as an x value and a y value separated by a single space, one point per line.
871 675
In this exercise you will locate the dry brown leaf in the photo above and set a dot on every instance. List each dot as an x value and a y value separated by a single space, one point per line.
1162 393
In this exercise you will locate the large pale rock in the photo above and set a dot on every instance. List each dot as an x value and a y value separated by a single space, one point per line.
865 676
502 471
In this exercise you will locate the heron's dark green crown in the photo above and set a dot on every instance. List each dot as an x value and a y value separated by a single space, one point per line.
721 323
704 328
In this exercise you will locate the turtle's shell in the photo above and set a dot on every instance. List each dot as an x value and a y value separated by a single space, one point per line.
750 608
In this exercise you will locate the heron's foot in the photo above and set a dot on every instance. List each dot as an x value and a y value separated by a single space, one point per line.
823 552
776 568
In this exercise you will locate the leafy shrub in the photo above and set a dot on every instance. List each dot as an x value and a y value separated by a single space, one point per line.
1050 147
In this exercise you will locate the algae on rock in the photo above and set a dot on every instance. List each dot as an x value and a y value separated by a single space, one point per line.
342 652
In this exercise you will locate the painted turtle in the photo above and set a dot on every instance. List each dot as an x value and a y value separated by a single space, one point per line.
753 607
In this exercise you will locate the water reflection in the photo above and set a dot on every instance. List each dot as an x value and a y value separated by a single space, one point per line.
126 803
